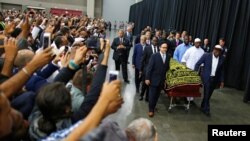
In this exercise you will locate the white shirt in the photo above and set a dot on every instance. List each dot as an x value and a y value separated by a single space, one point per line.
192 56
153 49
143 46
148 42
214 65
163 56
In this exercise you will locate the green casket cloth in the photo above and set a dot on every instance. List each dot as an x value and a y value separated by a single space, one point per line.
179 75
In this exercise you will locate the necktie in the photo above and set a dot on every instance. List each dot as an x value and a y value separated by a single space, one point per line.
155 49
120 40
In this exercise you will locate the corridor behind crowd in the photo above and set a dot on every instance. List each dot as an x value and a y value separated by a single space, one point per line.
179 125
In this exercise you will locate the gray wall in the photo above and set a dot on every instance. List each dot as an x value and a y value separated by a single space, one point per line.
116 10
98 8
77 4
69 4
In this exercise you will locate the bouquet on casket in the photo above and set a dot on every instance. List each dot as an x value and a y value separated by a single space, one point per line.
180 75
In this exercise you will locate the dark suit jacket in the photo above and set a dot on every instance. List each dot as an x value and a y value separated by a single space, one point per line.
146 56
156 70
137 55
171 46
206 49
130 38
137 39
120 53
174 42
207 60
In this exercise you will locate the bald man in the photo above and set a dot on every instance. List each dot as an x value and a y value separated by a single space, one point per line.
23 57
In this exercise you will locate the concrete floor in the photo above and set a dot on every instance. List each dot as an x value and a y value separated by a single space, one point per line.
226 108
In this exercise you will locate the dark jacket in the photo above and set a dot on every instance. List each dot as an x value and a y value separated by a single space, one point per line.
207 60
120 53
130 38
137 55
146 56
156 70
206 49
174 42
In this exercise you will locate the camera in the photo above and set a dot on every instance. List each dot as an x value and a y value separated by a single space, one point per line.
113 75
92 42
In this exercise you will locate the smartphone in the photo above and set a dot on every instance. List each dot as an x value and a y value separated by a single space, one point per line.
113 75
66 49
46 40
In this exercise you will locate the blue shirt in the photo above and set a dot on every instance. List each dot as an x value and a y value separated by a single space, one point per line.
180 50
60 135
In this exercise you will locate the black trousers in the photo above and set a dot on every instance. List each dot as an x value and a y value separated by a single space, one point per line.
144 87
128 51
208 91
154 93
137 79
124 64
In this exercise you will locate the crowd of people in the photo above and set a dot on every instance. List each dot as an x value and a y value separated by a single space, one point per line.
121 25
53 87
153 50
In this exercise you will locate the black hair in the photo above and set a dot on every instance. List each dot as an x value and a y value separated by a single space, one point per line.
222 39
64 30
58 41
52 101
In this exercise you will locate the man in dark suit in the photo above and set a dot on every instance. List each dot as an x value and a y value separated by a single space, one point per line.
120 46
138 37
148 36
158 34
222 43
211 76
175 43
136 61
206 46
156 75
129 36
170 43
148 51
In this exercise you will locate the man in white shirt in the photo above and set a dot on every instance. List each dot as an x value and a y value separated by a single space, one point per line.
212 75
192 56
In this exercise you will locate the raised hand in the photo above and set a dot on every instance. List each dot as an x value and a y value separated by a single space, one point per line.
80 55
10 47
65 59
26 25
9 28
42 58
111 91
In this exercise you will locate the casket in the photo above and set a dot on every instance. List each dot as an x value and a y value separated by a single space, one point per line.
182 82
